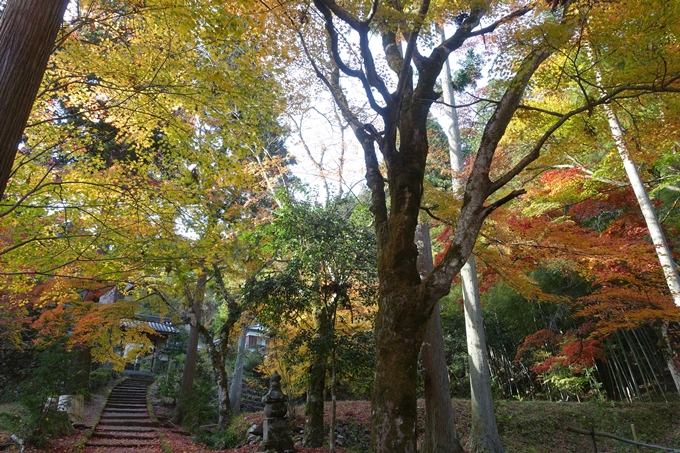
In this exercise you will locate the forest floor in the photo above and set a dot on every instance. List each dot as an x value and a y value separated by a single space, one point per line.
525 426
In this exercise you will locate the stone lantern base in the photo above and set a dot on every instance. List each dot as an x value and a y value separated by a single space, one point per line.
276 436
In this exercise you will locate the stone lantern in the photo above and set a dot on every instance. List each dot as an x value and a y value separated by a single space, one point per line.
276 435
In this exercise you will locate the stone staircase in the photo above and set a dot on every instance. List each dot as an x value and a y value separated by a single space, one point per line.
251 397
125 422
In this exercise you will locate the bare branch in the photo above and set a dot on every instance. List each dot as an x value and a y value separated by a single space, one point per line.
497 204
371 15
503 20
337 58
342 13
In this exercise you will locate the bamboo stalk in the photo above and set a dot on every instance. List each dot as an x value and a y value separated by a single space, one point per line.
645 333
619 375
630 368
649 364
640 366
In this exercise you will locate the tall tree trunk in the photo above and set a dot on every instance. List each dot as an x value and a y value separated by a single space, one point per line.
406 302
316 383
394 409
450 125
218 354
441 435
484 431
192 349
663 252
237 379
669 355
28 29
217 351
334 383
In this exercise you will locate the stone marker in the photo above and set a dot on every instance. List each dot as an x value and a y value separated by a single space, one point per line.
73 405
276 436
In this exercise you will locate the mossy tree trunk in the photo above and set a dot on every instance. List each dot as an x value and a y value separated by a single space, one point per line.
218 348
406 301
316 382
440 434
236 387
196 300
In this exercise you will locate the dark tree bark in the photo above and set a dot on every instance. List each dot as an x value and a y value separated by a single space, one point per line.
316 383
218 349
28 29
192 348
406 301
441 435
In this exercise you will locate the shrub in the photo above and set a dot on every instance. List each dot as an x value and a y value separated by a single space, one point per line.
10 422
234 436
201 407
49 376
100 377
41 427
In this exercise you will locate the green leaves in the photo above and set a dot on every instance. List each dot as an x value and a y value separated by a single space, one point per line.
321 255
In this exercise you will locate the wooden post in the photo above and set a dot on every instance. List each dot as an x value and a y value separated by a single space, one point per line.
632 428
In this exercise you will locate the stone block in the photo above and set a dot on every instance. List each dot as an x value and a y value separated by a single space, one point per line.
73 405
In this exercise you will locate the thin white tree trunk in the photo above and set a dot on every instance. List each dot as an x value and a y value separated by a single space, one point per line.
450 126
484 431
663 252
658 238
670 357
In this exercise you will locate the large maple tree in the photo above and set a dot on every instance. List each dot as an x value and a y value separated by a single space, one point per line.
399 86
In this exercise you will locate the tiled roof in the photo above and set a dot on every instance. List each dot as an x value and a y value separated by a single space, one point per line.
157 326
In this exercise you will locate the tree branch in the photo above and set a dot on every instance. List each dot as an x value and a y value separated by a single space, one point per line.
327 13
497 204
488 29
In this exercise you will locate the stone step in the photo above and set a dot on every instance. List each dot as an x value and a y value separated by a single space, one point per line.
133 410
116 406
126 408
128 422
127 400
125 435
122 443
127 397
125 415
132 429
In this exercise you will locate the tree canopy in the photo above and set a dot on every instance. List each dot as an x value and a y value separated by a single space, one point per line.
154 160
